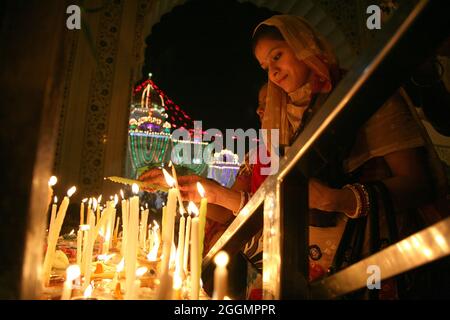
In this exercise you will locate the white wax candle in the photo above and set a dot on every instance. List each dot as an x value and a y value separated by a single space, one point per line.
52 216
53 237
180 247
125 213
79 250
169 223
220 276
195 270
187 238
132 240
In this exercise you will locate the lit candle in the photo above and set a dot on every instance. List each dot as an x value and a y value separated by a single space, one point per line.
51 182
82 211
195 257
143 233
53 215
119 269
124 223
169 223
92 237
72 272
53 237
85 232
116 231
99 200
180 247
220 275
187 238
153 254
132 239
201 223
79 240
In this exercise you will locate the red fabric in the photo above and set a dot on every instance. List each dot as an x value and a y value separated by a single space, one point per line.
257 178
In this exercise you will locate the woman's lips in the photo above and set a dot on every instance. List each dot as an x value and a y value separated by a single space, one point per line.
282 79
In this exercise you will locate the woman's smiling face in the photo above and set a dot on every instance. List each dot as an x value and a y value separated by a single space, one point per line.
279 60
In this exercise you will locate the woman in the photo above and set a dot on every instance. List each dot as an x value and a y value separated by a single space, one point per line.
386 166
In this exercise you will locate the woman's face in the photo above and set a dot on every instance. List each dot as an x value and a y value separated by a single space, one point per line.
279 60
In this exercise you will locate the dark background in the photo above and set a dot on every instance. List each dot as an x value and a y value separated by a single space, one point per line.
200 55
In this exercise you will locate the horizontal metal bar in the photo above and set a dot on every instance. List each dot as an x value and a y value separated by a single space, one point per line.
422 247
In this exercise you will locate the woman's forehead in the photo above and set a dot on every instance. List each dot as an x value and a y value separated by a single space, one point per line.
266 46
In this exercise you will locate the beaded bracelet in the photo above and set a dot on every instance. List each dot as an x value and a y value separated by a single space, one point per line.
365 203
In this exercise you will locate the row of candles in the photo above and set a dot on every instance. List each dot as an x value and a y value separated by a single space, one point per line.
174 262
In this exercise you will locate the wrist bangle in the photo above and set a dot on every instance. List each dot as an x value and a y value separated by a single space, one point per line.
357 195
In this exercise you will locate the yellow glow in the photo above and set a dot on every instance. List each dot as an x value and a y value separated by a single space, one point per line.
192 208
121 265
55 199
71 191
135 188
94 204
121 194
84 200
221 259
141 271
200 189
88 291
52 181
177 282
170 181
72 232
84 227
72 272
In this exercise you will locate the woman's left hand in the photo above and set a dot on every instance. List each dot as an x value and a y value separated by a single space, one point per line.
189 191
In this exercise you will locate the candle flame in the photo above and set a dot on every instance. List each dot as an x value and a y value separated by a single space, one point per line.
84 227
170 181
221 259
121 194
135 188
200 189
72 272
177 282
142 208
90 202
84 200
226 298
121 265
156 225
146 205
55 199
170 163
99 199
192 208
52 181
72 232
116 200
71 191
88 291
141 271
94 204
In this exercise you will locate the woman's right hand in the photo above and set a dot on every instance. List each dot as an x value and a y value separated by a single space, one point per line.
155 177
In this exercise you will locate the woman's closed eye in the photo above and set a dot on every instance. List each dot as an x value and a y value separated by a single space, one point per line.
276 57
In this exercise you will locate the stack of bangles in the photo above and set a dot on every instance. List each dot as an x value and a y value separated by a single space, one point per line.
245 196
362 200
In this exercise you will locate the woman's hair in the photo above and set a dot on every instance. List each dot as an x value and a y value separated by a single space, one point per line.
268 32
